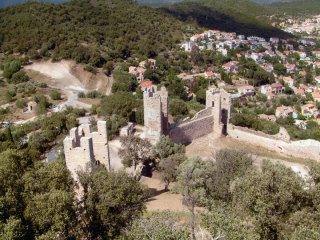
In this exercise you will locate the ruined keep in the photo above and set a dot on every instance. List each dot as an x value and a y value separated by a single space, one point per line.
84 147
220 102
215 118
155 105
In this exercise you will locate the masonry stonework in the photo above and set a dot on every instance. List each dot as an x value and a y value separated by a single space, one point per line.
309 149
84 148
155 112
215 118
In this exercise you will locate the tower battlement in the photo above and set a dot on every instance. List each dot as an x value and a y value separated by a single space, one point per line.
84 147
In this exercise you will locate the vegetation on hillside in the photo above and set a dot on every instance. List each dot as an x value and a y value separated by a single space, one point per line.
87 31
241 16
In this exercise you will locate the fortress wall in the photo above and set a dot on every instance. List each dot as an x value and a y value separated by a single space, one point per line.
309 149
190 130
77 158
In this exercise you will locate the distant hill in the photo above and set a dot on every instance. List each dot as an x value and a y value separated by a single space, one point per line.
7 3
241 16
298 7
89 31
274 1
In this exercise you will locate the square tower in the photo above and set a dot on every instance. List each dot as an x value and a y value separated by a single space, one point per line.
155 104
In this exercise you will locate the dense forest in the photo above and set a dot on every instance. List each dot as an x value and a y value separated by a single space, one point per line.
87 31
302 8
241 16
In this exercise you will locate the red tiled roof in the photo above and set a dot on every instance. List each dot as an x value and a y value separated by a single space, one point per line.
146 84
276 85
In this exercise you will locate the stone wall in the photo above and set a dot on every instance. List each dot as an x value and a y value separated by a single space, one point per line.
84 148
78 155
185 132
309 149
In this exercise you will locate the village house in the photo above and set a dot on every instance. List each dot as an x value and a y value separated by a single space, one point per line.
267 67
138 72
289 81
275 88
291 68
209 74
258 57
246 90
274 40
286 111
309 110
316 96
316 54
195 37
144 85
231 67
151 63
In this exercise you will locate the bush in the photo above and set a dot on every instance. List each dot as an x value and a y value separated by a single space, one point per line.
90 68
252 121
178 109
93 94
19 77
55 95
21 103
81 95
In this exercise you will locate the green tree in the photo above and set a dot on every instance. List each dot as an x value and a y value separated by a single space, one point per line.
112 200
228 166
223 223
190 184
135 151
121 104
19 77
269 197
165 147
10 68
178 108
168 168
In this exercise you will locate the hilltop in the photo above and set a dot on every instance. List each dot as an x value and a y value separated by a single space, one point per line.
241 16
87 31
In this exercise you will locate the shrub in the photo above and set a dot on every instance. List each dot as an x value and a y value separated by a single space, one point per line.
55 95
21 103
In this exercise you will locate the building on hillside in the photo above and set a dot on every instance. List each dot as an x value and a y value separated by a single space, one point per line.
316 96
246 90
309 110
275 88
146 84
289 81
291 68
274 40
286 111
231 67
138 72
150 63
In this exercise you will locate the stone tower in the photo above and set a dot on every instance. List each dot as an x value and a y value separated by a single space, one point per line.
84 148
220 101
155 112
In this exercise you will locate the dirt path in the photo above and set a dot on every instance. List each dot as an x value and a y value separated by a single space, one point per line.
71 78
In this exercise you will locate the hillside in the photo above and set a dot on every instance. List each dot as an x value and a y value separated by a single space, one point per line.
309 7
87 31
241 16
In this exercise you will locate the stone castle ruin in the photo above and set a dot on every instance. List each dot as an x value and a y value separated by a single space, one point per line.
84 148
215 118
155 105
